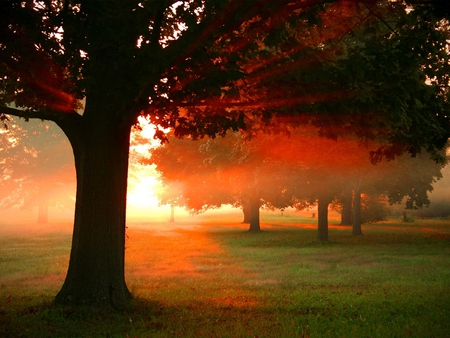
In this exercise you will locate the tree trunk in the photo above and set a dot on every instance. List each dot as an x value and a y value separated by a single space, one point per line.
405 217
346 216
357 211
246 211
254 215
172 213
322 218
96 267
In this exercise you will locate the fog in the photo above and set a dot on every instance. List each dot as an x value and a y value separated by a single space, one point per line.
290 170
38 187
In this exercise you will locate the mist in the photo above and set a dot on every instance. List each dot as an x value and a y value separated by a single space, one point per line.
38 176
294 170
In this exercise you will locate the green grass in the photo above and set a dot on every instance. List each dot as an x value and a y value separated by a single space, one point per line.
214 279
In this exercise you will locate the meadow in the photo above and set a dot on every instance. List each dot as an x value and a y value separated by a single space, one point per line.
210 277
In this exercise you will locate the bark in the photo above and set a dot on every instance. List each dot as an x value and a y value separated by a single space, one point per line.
357 211
346 216
322 220
254 215
96 268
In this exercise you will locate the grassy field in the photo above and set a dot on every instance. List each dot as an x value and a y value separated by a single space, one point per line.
211 278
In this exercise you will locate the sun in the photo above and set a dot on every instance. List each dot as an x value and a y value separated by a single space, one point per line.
141 193
143 182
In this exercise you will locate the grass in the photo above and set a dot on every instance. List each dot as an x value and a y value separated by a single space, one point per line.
214 279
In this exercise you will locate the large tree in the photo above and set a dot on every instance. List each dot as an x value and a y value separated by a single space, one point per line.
93 67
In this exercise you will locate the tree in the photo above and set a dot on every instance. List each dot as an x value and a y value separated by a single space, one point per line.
123 58
188 179
406 178
409 179
93 67
231 170
268 170
323 169
255 178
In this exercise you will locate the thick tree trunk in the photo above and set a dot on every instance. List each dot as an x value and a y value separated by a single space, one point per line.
346 216
322 219
357 211
96 267
254 215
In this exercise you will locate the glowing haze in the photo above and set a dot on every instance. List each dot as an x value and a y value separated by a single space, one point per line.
143 180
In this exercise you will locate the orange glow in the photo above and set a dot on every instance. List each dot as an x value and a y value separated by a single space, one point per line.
46 80
307 149
174 252
141 194
142 179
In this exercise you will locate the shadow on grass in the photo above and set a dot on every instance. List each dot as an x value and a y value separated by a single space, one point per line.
222 281
320 313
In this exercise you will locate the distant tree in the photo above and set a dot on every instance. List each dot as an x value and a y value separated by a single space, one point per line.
345 208
271 171
188 181
94 67
409 179
374 208
254 177
323 168
32 176
231 170
439 197
405 179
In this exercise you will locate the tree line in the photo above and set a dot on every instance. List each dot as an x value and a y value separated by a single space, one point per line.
298 169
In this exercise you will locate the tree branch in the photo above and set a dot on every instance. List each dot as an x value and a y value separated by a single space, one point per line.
159 17
40 114
379 17
70 123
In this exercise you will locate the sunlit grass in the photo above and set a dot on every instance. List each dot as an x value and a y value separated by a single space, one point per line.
215 279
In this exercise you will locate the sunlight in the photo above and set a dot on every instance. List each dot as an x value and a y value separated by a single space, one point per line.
143 180
142 189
